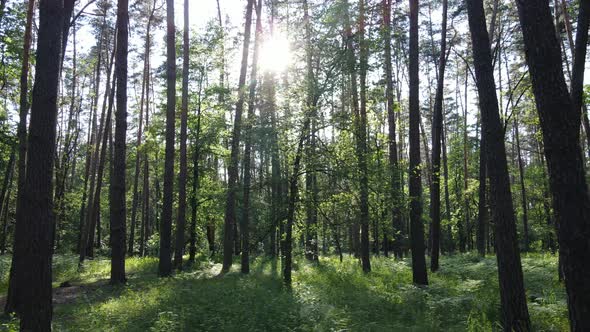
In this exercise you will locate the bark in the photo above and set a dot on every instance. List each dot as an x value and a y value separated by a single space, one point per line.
63 163
579 55
351 68
396 213
436 146
525 218
99 160
560 122
362 142
195 188
181 217
32 263
311 245
419 273
450 246
165 264
146 213
245 222
117 188
513 300
287 246
467 213
232 187
11 300
138 155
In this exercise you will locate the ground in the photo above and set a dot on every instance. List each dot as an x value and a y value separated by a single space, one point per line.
333 296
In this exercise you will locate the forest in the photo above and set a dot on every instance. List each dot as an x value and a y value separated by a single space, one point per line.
294 165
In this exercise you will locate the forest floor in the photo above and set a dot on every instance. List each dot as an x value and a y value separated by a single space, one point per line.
333 296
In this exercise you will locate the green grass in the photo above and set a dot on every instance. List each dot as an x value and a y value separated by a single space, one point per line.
333 296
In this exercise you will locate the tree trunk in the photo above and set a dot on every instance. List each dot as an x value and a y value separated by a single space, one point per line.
232 187
181 217
420 276
437 127
560 121
135 201
525 218
11 300
245 225
146 213
287 246
98 167
196 179
165 265
512 294
362 142
396 211
117 188
32 263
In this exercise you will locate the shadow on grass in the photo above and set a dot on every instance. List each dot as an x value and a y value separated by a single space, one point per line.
188 301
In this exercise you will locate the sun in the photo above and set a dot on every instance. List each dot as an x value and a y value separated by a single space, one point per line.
275 54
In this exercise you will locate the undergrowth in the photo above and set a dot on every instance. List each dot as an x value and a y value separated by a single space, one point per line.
333 296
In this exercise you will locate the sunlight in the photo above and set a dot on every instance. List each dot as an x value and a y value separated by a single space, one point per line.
275 54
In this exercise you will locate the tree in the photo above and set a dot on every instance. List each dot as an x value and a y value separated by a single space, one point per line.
165 265
230 204
560 116
396 211
32 263
181 220
245 225
420 276
11 300
362 142
514 307
437 123
117 189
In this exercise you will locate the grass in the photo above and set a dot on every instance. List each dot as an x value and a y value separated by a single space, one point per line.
333 296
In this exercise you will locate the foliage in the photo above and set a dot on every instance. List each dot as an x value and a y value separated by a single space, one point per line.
333 296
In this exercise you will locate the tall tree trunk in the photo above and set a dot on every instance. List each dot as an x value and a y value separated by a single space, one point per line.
396 211
143 105
165 265
98 164
232 187
245 225
11 299
117 188
311 245
145 217
466 233
560 121
525 218
63 163
287 246
32 263
196 179
420 276
362 142
181 217
437 127
449 232
512 294
351 68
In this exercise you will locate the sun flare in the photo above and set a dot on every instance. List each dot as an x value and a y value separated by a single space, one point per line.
275 54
